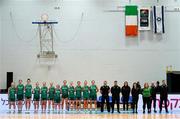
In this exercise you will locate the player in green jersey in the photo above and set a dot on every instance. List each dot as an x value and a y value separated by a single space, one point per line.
36 92
78 90
44 91
11 96
64 90
57 97
85 95
28 94
51 96
71 96
20 95
93 94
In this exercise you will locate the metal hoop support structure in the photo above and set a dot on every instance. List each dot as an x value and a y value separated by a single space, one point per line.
46 38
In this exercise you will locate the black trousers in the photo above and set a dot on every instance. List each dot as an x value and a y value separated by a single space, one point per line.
165 103
153 100
107 103
135 103
146 101
125 102
115 100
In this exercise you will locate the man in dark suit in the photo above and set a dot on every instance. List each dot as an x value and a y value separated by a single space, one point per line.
105 89
115 91
163 95
153 96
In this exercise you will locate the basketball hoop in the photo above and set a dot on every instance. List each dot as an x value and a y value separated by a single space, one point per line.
44 17
47 54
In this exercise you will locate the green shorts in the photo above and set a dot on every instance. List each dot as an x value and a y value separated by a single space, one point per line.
64 96
50 98
36 99
85 98
78 98
20 97
57 100
43 99
28 97
12 99
93 97
71 98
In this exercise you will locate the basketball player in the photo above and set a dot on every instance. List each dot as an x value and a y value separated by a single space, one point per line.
51 96
11 96
44 91
57 97
71 96
78 95
93 95
64 90
36 97
20 95
28 94
85 95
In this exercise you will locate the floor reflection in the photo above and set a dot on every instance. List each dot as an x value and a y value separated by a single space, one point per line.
89 116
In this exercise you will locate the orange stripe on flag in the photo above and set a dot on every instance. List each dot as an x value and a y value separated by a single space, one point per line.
131 30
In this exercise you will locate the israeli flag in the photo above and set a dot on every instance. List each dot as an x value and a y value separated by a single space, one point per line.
158 19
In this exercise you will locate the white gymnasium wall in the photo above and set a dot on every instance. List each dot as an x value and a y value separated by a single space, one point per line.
1 81
91 43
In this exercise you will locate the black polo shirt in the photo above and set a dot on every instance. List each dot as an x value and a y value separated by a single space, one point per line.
105 90
115 90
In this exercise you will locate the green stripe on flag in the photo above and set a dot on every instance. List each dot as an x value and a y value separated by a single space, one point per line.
131 10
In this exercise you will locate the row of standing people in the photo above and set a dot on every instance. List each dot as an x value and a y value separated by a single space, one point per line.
71 96
148 94
55 97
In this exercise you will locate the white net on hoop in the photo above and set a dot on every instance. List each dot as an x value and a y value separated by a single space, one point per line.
47 61
47 58
44 17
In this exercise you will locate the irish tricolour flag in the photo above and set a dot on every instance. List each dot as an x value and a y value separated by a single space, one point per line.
131 13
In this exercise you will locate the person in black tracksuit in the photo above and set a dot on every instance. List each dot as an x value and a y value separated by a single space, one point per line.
153 96
163 96
138 86
105 96
158 87
135 97
125 93
115 91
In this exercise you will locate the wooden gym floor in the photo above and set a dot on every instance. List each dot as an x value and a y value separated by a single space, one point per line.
6 115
